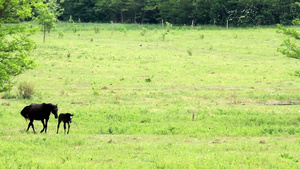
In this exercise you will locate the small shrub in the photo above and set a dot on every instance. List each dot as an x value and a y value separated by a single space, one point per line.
290 49
96 29
60 34
169 26
26 90
286 156
201 36
148 80
8 95
110 130
297 73
123 29
189 51
117 97
144 30
163 36
71 19
95 89
74 27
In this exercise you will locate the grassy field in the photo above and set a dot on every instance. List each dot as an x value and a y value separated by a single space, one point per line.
147 98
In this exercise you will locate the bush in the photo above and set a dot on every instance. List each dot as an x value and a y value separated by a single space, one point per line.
148 80
96 29
144 30
297 73
169 26
95 88
26 90
190 52
60 34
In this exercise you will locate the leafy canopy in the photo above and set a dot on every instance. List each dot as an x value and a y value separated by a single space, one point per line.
47 15
290 48
15 44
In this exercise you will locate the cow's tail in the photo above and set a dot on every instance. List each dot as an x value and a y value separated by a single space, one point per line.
25 112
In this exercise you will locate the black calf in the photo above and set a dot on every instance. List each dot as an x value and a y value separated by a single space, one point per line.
66 118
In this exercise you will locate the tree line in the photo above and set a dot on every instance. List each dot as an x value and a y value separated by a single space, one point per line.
216 12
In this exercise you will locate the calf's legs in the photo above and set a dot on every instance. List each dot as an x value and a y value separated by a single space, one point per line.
64 127
58 126
30 124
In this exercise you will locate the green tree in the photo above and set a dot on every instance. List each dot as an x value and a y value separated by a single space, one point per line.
290 48
177 11
116 9
15 44
83 10
149 11
47 16
237 12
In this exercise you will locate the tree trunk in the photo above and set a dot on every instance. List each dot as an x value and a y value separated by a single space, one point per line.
134 17
122 17
143 16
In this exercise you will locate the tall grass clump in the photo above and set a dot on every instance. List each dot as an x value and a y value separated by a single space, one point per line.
124 30
201 36
60 34
96 29
190 52
74 27
163 36
144 31
26 90
95 88
169 27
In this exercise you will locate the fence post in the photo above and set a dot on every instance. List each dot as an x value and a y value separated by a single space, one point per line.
227 24
192 24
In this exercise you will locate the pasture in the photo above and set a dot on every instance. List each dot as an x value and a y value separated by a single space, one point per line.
143 98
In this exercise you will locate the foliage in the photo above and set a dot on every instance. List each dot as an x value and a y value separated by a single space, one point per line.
297 73
190 52
290 48
15 44
74 26
169 26
144 31
96 29
47 15
71 19
26 90
218 12
60 34
95 88
286 156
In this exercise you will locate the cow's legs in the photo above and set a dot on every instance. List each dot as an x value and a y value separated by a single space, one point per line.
58 126
43 125
65 127
68 128
31 124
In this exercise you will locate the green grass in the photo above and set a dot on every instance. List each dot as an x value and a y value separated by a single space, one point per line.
134 96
